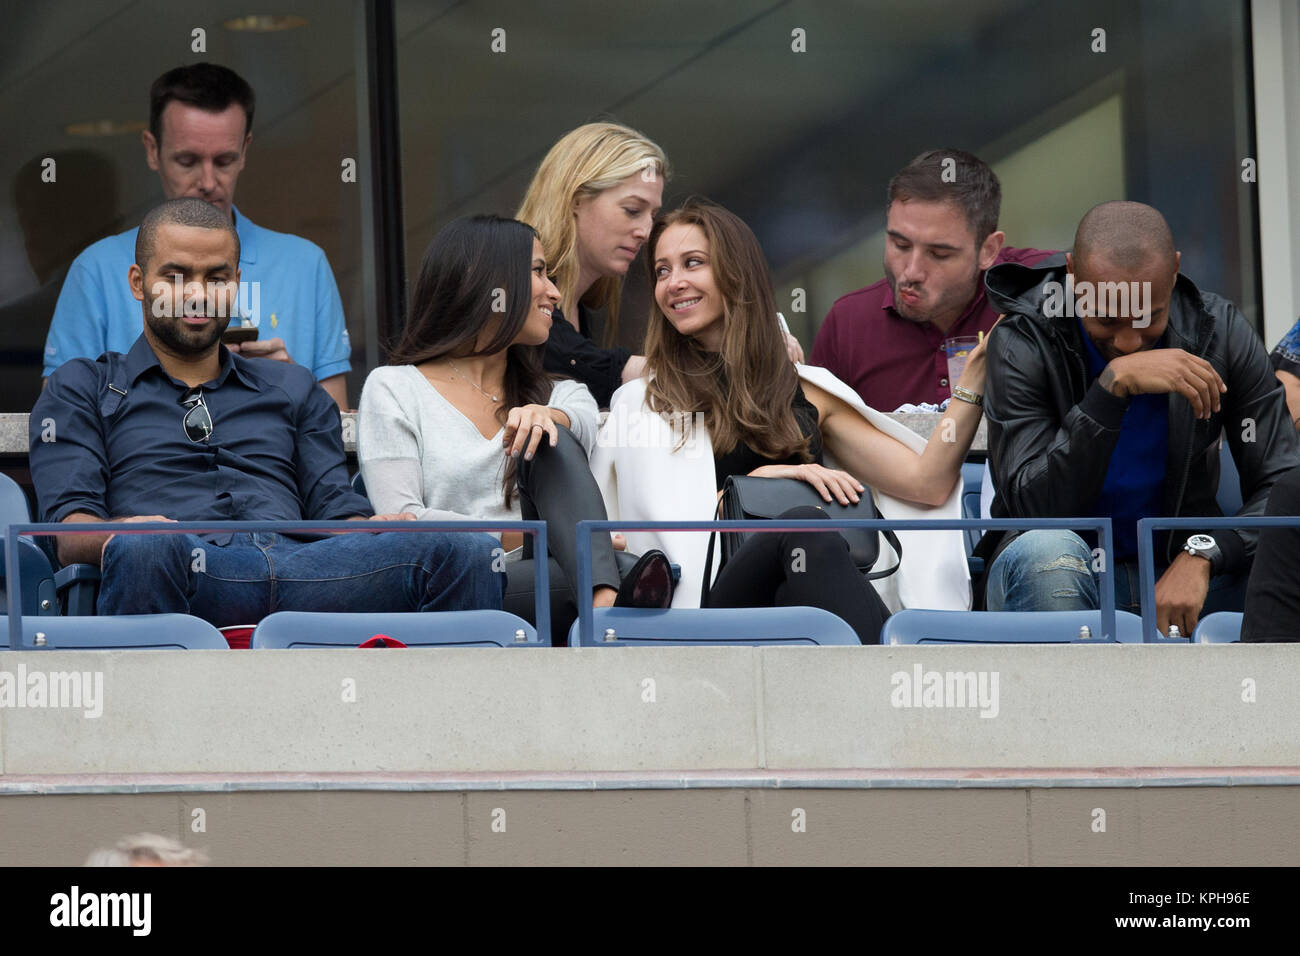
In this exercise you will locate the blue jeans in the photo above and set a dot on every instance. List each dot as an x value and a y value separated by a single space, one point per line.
1052 571
256 574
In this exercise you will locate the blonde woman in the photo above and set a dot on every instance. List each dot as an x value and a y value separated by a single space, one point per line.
592 201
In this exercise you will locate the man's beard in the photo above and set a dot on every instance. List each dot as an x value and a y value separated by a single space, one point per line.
179 338
937 308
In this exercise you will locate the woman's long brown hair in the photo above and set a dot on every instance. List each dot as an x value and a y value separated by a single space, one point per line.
746 391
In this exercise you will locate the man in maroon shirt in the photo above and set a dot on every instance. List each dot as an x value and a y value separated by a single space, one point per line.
941 235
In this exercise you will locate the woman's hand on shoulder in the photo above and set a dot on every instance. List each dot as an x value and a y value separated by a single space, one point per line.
844 487
525 427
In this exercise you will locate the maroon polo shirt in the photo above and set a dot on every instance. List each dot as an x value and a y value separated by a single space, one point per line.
890 360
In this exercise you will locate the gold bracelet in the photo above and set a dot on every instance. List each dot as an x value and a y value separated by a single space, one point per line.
966 395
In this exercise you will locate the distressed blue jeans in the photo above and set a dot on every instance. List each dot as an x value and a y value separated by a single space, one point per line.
1052 571
256 574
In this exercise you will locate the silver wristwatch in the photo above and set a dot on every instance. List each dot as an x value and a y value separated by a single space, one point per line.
1203 546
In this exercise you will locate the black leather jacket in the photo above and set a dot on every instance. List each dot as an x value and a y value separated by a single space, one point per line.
1052 428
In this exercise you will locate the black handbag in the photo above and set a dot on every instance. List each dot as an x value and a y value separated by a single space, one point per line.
745 499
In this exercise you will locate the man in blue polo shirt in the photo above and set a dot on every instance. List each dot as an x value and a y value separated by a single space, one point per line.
1110 382
179 428
200 127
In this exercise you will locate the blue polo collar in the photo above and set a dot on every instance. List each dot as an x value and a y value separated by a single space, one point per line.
248 237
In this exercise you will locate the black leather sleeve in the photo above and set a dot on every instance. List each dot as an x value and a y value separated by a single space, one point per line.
570 353
1044 466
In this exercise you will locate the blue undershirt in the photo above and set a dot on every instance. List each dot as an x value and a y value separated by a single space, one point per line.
1135 479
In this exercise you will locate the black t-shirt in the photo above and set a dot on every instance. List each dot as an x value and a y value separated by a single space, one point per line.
572 353
742 459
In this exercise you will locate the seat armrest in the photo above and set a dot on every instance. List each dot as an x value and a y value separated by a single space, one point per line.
77 584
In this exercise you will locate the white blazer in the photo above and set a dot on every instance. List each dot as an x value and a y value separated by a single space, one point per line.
642 478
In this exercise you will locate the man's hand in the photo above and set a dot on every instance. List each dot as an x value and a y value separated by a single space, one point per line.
634 368
262 348
134 519
793 349
1165 371
400 516
1180 593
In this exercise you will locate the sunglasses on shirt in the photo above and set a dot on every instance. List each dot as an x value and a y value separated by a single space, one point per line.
197 421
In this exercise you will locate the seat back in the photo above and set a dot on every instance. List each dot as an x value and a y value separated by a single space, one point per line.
1223 627
39 596
1229 495
972 477
359 485
715 626
915 626
124 632
313 629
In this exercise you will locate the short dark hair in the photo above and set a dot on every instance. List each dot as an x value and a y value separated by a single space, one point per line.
955 176
208 86
1125 234
189 211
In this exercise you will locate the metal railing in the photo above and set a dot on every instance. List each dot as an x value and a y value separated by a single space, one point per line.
586 617
541 587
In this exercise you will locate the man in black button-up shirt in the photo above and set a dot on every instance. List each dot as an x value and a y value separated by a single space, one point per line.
179 428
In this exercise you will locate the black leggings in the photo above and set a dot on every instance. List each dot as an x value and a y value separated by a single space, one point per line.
557 486
768 571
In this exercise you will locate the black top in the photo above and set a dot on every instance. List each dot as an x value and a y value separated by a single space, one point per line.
121 448
742 459
1273 593
572 353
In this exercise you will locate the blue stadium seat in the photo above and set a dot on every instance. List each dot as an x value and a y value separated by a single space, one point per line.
1221 628
359 485
1229 496
123 632
42 586
752 626
916 626
972 480
304 629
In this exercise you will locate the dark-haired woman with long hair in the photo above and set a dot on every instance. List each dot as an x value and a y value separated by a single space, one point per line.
465 423
716 370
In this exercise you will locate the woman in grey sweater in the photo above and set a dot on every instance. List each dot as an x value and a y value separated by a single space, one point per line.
465 423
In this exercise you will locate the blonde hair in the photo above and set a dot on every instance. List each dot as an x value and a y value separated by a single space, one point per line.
585 162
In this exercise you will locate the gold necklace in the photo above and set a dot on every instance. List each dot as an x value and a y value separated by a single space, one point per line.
456 371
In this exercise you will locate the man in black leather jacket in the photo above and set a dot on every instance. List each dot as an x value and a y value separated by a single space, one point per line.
1107 399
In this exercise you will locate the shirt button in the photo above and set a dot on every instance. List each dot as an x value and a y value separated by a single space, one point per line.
943 381
573 361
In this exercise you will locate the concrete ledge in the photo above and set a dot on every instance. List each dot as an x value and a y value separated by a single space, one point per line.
952 779
1194 826
670 710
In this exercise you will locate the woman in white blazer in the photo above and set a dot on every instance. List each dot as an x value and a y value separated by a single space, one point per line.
722 398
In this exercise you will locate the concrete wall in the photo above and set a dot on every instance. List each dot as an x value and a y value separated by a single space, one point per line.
644 709
667 756
1202 826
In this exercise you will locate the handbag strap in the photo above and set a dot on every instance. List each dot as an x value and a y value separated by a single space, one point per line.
708 554
898 550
